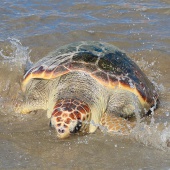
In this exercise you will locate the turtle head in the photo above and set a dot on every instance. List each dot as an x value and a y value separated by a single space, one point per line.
70 116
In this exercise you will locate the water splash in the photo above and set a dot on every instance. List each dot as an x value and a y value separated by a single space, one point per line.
153 132
15 53
152 135
14 57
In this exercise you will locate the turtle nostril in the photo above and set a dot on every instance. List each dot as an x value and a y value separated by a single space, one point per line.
61 130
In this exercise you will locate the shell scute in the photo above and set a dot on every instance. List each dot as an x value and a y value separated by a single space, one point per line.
142 91
113 81
87 57
36 71
105 65
39 69
81 67
125 81
60 70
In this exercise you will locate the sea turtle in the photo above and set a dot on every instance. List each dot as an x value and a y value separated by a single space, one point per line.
86 85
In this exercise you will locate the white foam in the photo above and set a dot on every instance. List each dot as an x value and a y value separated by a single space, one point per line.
19 54
151 135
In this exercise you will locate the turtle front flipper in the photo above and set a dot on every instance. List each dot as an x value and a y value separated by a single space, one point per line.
29 106
115 125
22 108
35 97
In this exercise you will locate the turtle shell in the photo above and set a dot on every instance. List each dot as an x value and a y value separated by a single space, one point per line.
104 62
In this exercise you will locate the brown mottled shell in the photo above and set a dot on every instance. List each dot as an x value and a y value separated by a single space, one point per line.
104 62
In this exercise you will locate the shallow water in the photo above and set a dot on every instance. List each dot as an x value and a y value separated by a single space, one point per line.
31 29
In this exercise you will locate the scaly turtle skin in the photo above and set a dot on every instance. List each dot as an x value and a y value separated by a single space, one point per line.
87 85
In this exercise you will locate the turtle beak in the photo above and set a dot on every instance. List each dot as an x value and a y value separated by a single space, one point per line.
63 132
61 129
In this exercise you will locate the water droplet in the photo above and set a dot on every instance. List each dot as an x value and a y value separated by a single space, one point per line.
165 124
167 113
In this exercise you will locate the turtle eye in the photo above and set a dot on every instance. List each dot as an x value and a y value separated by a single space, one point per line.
77 127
